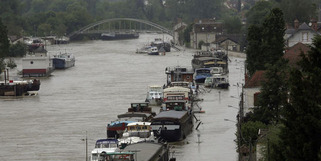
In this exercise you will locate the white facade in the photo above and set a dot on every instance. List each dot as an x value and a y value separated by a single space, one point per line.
303 36
249 98
205 37
37 61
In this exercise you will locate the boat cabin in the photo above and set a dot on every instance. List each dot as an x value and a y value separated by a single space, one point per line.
154 95
177 105
179 74
138 129
103 146
172 125
177 93
116 156
140 107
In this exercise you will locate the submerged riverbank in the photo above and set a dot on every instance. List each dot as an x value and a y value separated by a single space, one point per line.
107 77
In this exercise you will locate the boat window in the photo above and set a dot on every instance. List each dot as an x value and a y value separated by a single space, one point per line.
144 127
132 128
94 157
113 145
105 145
138 127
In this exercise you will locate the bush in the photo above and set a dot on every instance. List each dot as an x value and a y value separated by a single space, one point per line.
17 50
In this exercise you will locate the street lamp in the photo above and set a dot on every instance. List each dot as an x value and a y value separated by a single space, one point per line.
86 140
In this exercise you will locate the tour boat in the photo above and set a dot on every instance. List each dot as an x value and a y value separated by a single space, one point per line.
159 43
201 74
154 95
103 146
153 51
137 132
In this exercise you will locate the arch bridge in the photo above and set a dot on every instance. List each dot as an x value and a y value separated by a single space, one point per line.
121 25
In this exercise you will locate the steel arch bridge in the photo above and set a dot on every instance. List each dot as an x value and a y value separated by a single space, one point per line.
98 27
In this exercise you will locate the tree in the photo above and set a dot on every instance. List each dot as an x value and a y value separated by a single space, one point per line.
233 25
250 131
273 36
17 50
4 45
253 49
273 94
298 9
265 42
301 117
256 15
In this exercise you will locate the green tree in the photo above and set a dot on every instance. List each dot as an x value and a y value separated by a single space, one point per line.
298 9
17 50
4 45
302 126
273 37
253 49
257 14
249 131
233 25
273 94
265 42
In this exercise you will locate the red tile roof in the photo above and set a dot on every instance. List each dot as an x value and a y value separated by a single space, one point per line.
255 80
293 53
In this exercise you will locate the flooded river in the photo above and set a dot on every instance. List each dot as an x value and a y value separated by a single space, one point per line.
108 76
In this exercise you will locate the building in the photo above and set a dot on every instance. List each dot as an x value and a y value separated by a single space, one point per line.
301 33
205 31
293 53
251 90
230 42
179 28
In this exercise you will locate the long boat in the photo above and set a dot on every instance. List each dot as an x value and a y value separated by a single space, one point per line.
63 60
138 112
172 125
118 36
18 88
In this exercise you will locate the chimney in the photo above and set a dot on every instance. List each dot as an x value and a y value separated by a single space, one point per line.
314 24
296 24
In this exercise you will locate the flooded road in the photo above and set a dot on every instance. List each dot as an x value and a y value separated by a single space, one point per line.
107 77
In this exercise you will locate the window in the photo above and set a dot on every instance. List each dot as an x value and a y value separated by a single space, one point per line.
304 36
31 62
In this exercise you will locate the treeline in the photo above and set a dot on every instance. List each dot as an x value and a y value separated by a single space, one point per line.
60 17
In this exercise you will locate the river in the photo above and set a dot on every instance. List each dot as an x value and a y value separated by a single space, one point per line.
107 77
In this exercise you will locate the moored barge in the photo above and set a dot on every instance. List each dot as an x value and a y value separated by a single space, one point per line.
172 125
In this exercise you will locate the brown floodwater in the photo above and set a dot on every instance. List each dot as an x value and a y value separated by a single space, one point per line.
107 77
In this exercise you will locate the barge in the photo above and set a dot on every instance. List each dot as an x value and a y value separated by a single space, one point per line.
172 125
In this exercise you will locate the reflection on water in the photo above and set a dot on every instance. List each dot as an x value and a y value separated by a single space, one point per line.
108 76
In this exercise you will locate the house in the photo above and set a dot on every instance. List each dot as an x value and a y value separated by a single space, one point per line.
205 31
251 90
301 33
232 42
13 39
179 28
293 53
